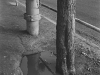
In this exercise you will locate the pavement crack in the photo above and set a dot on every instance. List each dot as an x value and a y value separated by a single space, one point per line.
21 42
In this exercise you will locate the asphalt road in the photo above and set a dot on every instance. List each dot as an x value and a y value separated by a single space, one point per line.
87 10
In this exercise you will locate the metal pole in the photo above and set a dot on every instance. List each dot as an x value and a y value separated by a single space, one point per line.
16 2
32 16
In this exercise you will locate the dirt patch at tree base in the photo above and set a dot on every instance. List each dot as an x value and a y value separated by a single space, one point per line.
87 57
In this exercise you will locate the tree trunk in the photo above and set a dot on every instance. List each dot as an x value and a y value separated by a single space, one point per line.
69 37
65 37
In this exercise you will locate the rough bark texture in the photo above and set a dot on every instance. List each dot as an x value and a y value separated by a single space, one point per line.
60 40
65 40
69 37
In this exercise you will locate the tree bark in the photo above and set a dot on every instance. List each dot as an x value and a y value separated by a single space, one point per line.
69 37
61 66
65 37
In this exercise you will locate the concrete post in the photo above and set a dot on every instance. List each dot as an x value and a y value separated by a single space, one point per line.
32 16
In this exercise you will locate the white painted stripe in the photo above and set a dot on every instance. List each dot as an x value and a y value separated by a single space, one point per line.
13 3
49 19
41 14
88 25
22 4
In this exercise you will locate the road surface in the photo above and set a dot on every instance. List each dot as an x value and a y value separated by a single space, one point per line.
87 10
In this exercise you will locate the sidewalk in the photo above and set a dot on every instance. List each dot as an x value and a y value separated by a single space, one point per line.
15 41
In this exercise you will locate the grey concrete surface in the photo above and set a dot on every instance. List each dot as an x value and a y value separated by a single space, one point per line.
15 41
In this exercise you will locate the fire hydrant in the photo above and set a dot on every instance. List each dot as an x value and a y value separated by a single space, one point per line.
32 16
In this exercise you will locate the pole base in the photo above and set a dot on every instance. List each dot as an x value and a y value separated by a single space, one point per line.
33 28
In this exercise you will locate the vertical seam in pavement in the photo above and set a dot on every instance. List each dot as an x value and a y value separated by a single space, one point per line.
21 43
